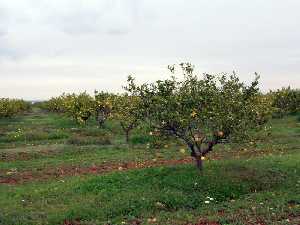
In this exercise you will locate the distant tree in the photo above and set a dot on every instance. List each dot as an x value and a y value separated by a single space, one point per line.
80 107
286 100
12 107
202 112
126 109
103 106
55 104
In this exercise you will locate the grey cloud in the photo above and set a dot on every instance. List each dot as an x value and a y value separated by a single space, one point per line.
2 33
216 35
7 53
2 23
117 31
78 18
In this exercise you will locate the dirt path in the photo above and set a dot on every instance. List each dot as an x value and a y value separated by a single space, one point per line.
19 177
14 178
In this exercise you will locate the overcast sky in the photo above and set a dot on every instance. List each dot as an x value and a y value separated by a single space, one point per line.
52 46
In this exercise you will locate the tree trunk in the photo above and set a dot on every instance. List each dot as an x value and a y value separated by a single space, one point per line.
100 118
197 151
127 136
199 163
197 155
100 123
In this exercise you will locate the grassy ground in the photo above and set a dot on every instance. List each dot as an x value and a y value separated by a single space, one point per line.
258 183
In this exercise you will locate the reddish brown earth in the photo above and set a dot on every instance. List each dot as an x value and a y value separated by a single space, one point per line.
24 156
138 222
74 222
65 171
257 221
206 222
20 177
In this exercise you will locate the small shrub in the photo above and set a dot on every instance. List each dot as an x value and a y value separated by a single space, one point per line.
93 132
20 136
157 143
88 140
153 142
35 136
140 139
11 137
57 135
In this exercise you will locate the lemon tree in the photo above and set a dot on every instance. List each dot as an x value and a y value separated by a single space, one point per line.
79 107
12 107
286 100
202 111
103 106
126 109
56 104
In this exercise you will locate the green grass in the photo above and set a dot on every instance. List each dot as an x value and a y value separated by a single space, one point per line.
251 182
158 192
85 156
48 128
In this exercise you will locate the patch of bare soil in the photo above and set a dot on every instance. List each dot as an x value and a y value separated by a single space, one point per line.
73 222
25 156
9 157
206 222
14 178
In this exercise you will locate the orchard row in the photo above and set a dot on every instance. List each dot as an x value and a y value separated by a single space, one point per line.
200 111
12 107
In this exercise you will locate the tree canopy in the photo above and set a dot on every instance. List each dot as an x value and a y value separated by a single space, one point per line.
202 111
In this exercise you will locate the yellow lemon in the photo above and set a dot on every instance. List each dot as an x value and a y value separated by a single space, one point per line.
220 133
193 114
